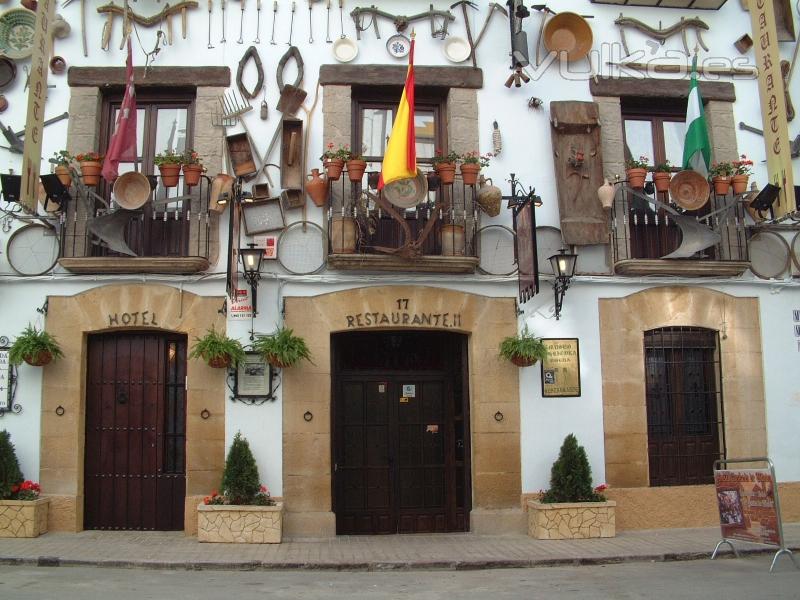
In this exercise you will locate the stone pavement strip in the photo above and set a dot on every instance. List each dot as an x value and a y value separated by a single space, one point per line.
173 550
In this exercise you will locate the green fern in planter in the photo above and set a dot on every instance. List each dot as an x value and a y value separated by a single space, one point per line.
10 474
282 348
571 476
215 345
523 348
32 342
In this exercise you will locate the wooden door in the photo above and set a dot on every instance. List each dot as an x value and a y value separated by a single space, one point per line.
400 441
135 473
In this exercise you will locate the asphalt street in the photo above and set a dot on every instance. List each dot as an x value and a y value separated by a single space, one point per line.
728 578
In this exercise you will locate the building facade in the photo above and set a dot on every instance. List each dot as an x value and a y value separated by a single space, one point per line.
406 419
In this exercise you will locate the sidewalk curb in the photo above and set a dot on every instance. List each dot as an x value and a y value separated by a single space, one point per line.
421 565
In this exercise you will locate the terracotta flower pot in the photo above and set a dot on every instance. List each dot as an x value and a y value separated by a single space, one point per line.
39 360
90 172
447 172
661 179
636 177
739 183
333 168
721 185
220 362
191 174
469 173
317 188
64 175
169 174
355 169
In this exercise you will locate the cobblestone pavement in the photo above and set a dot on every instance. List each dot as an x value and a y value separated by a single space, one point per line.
445 551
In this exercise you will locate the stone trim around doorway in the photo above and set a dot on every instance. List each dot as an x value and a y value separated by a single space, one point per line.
493 387
118 308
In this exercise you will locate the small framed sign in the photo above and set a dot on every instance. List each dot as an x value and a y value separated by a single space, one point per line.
561 370
252 377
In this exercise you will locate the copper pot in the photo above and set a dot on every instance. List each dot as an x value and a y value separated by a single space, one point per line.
57 65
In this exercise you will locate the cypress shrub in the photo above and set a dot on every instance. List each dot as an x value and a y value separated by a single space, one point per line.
10 473
240 481
571 476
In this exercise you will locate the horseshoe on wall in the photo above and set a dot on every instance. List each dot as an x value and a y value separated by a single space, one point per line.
292 52
250 54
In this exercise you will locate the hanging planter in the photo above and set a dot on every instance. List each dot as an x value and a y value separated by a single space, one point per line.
636 171
662 176
282 349
37 348
739 183
721 185
192 168
523 350
91 164
217 349
62 159
169 164
471 165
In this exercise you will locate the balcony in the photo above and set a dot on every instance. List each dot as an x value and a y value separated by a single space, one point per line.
665 239
368 233
171 233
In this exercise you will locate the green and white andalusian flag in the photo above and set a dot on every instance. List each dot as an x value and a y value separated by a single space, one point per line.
696 147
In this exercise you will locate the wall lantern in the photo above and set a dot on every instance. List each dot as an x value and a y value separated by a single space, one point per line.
563 268
251 263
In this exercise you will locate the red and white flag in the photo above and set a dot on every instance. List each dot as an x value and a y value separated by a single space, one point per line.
122 147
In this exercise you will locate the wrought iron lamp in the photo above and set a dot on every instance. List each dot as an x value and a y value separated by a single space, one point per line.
251 258
563 268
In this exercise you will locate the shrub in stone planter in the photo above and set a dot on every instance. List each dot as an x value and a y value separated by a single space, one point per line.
571 508
244 512
22 512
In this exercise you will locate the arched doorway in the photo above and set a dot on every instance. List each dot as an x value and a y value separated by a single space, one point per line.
401 441
135 458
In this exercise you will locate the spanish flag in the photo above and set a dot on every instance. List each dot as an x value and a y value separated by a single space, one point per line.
400 159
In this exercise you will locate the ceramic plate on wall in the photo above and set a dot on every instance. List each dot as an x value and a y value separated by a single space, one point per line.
456 49
398 45
345 49
407 193
17 27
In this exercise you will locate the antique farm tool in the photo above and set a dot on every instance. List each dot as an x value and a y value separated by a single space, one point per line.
241 25
684 69
291 23
464 4
328 39
210 8
250 54
110 229
258 23
794 146
494 6
662 34
341 20
111 10
751 129
223 40
785 71
294 53
310 23
264 110
274 14
401 22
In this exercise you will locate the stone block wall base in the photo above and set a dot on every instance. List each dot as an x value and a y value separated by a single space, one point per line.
240 524
23 518
569 521
310 524
507 521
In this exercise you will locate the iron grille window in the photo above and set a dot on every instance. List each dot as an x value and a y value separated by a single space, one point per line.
685 432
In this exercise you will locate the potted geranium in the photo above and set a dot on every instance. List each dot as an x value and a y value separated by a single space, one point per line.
192 168
741 173
662 175
91 164
24 513
333 160
356 165
217 349
720 173
62 160
37 348
571 508
169 164
445 165
636 171
471 165
524 350
244 512
282 349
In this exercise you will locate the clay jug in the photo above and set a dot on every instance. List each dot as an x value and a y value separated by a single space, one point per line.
605 193
317 187
489 197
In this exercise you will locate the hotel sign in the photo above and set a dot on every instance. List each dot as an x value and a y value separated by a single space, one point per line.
402 315
561 370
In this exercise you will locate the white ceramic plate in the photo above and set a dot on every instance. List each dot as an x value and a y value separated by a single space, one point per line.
398 45
456 49
345 49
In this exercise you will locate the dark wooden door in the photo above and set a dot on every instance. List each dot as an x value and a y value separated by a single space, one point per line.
135 473
400 439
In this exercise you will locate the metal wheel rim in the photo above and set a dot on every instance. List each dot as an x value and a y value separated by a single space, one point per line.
796 250
49 253
323 239
512 239
783 245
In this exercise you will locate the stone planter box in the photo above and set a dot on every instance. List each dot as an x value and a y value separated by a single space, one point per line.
569 521
240 524
23 518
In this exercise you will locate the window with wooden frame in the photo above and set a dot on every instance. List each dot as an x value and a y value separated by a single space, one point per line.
685 432
165 121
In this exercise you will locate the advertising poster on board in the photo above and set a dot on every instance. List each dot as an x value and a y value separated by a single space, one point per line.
746 500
